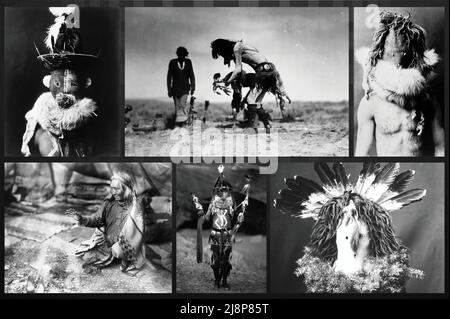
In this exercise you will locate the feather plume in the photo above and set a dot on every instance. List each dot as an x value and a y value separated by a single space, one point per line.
403 199
291 196
61 14
372 173
341 176
398 185
325 174
297 188
303 197
59 11
309 185
328 178
382 181
366 177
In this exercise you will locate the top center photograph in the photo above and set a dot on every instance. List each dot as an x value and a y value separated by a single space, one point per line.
236 82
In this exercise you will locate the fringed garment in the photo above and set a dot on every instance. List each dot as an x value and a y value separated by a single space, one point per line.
119 233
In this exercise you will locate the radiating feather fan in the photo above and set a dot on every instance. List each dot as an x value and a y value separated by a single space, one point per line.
382 185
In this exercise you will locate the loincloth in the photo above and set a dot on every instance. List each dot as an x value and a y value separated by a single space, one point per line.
266 77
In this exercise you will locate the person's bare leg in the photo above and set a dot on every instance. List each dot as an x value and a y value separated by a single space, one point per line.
252 106
262 114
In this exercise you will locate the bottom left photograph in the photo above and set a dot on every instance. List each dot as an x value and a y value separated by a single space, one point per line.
88 227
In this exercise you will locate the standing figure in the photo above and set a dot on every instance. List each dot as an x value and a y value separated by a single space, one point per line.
398 112
221 211
61 121
266 78
180 82
119 228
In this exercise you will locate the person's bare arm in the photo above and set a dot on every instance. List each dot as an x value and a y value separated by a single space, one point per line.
366 128
169 80
438 131
237 62
96 220
282 89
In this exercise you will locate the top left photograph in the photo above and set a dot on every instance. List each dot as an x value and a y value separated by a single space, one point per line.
62 82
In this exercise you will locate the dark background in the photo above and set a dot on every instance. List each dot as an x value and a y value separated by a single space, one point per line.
420 226
200 179
100 31
431 19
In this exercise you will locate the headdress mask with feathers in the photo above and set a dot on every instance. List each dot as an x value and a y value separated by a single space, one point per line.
63 35
221 186
68 79
378 191
224 48
399 41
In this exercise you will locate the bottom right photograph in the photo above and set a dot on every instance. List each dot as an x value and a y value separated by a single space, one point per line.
357 227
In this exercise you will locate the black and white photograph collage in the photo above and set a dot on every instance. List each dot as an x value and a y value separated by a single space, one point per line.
191 152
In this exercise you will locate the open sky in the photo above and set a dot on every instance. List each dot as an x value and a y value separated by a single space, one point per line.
309 46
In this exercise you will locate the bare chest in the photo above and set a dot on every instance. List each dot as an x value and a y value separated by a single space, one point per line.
390 119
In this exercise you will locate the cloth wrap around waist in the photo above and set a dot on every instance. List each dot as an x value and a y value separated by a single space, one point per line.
266 77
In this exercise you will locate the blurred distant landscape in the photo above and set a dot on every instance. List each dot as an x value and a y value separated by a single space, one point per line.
318 128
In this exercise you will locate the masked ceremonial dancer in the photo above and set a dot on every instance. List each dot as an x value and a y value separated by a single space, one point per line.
265 79
222 212
61 121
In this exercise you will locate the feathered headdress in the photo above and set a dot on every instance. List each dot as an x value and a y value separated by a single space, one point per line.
412 75
380 266
385 186
221 183
64 42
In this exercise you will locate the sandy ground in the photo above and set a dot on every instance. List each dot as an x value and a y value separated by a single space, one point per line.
39 257
316 131
248 274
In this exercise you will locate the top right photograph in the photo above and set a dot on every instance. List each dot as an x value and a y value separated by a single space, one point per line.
399 81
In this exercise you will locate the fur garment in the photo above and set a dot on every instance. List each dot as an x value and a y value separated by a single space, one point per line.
386 79
55 119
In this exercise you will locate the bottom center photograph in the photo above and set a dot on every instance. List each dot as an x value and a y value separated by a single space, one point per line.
221 214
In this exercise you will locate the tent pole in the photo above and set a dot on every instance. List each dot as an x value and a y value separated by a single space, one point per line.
149 180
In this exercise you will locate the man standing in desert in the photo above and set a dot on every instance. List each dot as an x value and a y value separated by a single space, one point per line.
180 82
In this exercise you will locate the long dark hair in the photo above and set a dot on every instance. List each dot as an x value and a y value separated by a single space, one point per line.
378 221
408 32
224 48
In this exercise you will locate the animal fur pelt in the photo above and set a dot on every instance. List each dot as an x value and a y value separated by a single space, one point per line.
51 117
394 83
